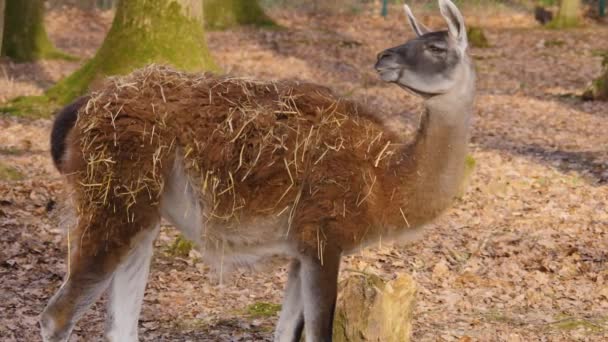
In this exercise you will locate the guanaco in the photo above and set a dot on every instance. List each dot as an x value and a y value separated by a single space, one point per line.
248 169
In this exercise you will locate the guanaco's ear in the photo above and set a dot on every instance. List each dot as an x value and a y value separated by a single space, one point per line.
418 28
455 21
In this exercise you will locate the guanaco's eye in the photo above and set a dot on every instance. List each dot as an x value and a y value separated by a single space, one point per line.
436 48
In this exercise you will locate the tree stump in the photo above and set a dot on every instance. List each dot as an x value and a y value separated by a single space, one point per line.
598 90
371 309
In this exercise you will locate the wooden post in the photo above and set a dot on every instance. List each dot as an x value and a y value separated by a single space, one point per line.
372 309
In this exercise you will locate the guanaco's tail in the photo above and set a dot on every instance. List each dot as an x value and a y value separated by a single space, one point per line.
64 122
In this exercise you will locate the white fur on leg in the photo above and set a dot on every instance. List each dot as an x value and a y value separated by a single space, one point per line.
127 289
292 313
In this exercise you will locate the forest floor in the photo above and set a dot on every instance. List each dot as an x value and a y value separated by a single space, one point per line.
522 256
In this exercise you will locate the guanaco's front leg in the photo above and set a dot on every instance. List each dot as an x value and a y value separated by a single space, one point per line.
291 321
318 279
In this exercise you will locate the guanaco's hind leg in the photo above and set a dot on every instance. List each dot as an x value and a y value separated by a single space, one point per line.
93 263
291 321
127 289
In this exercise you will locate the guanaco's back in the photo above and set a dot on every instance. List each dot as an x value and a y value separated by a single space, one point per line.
251 149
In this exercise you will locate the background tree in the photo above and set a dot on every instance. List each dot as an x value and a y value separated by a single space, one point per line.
568 14
221 14
25 38
2 3
598 90
85 5
143 32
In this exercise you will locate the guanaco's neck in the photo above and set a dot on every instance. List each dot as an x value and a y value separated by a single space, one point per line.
432 167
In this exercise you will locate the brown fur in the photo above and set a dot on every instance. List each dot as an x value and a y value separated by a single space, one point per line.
255 149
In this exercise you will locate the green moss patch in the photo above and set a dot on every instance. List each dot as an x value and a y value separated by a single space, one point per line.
9 173
554 42
572 323
477 38
181 247
30 106
497 316
10 151
263 309
469 163
563 23
469 166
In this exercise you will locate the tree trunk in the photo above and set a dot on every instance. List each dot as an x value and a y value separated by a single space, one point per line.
222 14
568 14
601 86
143 32
598 90
25 38
2 3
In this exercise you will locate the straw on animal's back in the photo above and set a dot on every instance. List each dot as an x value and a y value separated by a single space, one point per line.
251 148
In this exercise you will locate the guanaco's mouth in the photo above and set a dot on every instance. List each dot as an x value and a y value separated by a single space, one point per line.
393 75
388 74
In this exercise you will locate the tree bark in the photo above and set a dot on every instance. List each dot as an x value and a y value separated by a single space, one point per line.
598 90
601 86
25 38
222 14
143 32
568 14
2 3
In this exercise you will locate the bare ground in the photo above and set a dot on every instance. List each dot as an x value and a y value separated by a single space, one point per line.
523 256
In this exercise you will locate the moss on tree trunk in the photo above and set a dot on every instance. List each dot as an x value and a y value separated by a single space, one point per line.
222 14
25 38
598 90
143 32
600 87
568 14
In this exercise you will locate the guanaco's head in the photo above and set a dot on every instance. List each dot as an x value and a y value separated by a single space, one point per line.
433 63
